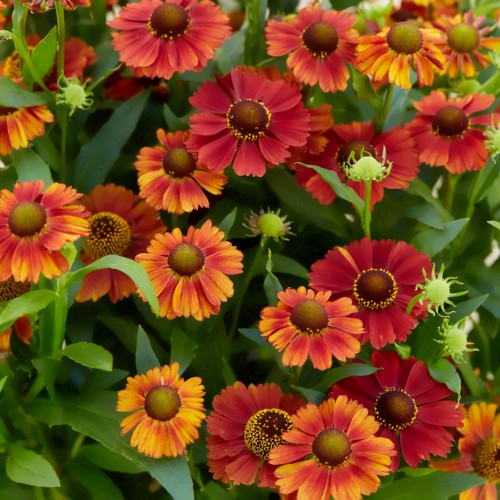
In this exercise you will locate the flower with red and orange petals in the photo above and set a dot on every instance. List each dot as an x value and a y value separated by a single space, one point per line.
170 178
308 325
244 426
410 406
318 43
447 131
159 38
248 120
45 5
34 226
120 224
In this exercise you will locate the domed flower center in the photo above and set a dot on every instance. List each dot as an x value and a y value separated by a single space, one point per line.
162 403
450 122
12 66
320 39
10 289
463 38
169 21
179 163
357 148
486 459
109 235
331 447
27 218
248 119
264 429
309 316
186 259
405 38
375 289
395 409
403 15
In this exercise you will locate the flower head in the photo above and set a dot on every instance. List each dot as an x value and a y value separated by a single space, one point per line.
46 5
332 453
158 38
168 411
409 405
34 226
367 168
72 93
493 139
269 225
454 340
245 425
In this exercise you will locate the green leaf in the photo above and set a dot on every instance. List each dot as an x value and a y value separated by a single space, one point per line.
106 459
494 223
13 95
467 307
443 371
27 467
89 355
131 268
145 357
272 285
183 349
228 373
28 303
403 350
287 265
336 374
173 122
48 368
254 335
2 382
419 188
29 166
227 223
311 395
364 90
410 471
432 241
425 213
230 54
96 158
42 56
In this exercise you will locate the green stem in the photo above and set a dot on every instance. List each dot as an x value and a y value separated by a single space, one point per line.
367 214
60 315
63 125
61 38
413 301
36 388
297 371
380 119
77 445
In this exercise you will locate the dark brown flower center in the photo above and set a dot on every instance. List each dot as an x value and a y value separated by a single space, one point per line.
109 235
169 21
248 119
401 15
27 218
395 409
331 447
10 289
463 38
320 39
486 459
405 38
186 259
375 289
6 111
162 403
179 163
450 122
309 316
357 148
264 429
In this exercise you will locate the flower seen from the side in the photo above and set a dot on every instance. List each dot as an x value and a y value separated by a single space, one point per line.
318 44
168 411
248 120
245 425
120 224
410 406
308 325
446 133
170 177
158 38
380 278
398 49
189 273
333 452
34 226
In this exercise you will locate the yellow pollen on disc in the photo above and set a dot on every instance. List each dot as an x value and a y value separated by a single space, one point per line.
309 316
395 409
405 38
331 447
320 39
248 119
27 218
10 289
486 459
186 259
375 289
169 21
179 163
162 403
450 122
12 66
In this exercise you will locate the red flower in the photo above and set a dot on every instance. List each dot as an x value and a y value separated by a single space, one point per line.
409 405
446 134
247 119
380 278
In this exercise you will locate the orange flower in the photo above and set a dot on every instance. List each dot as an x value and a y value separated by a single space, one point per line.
398 49
189 272
168 411
121 224
34 226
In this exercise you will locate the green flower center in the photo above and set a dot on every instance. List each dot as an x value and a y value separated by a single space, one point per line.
405 38
10 289
110 234
320 39
450 122
264 429
169 21
162 403
331 447
27 218
309 316
437 291
270 225
395 409
357 148
179 163
463 38
375 289
486 459
186 259
248 119
456 340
